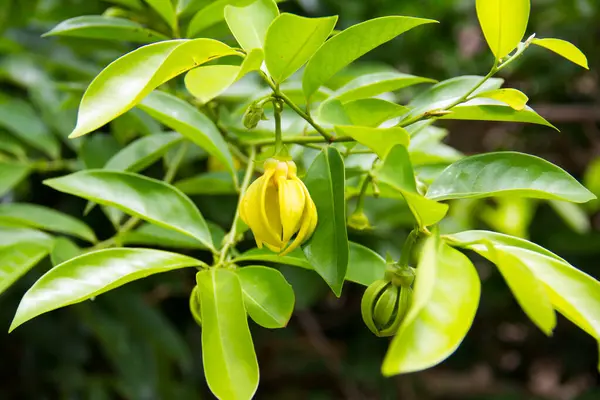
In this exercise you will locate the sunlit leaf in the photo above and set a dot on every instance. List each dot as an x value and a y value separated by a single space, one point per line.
504 23
143 152
17 259
564 49
249 24
516 99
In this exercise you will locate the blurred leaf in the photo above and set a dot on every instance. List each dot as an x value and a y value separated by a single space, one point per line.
364 266
11 175
149 199
10 234
63 250
166 10
504 23
96 150
209 14
380 140
100 27
143 152
350 44
295 258
268 298
292 40
327 249
226 342
249 24
11 145
507 173
40 217
511 215
208 183
127 80
371 85
17 259
132 4
92 274
373 112
573 215
564 49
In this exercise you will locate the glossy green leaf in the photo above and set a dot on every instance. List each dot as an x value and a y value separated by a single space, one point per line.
63 250
573 215
208 183
249 24
143 152
101 27
206 83
397 171
126 81
373 112
166 10
371 85
333 112
230 364
529 292
507 173
10 235
516 99
156 236
296 258
446 297
17 259
352 43
194 304
572 292
40 217
191 123
564 49
21 120
364 265
504 23
11 175
96 150
269 299
327 250
92 274
149 199
292 40
380 140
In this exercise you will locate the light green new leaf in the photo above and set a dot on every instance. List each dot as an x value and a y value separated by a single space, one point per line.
564 49
364 265
206 83
127 80
210 14
397 172
63 250
10 235
21 120
446 296
573 215
40 217
327 250
371 85
191 123
292 40
92 274
516 99
11 175
143 152
507 173
352 43
269 299
230 364
572 292
249 24
100 27
166 10
380 140
17 259
373 112
504 23
529 292
208 183
149 199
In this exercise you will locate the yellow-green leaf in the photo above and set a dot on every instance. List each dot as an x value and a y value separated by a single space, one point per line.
504 23
249 24
564 49
380 140
516 99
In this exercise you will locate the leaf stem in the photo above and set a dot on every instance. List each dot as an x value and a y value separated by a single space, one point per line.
300 139
277 108
407 247
360 203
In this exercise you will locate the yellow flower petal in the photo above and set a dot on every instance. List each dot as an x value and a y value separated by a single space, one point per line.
291 204
309 222
270 211
250 214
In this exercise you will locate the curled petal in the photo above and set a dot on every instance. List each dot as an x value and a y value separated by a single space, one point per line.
251 203
270 211
309 222
291 203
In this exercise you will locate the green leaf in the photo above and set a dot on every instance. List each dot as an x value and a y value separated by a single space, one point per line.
380 140
191 123
10 235
12 145
63 250
132 4
208 183
364 266
564 49
296 258
209 15
249 24
100 27
11 175
327 250
529 292
573 215
446 296
96 150
149 199
36 216
269 299
20 119
504 23
166 10
397 171
206 83
507 173
516 99
292 40
92 274
352 43
156 236
373 112
371 85
143 152
572 292
230 364
126 81
17 259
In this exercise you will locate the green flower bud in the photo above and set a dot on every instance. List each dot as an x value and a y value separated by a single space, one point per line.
359 221
253 115
384 306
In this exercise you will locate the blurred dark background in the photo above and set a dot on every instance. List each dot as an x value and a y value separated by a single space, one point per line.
140 342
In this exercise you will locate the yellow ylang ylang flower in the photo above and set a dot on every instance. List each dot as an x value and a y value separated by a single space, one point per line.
277 205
